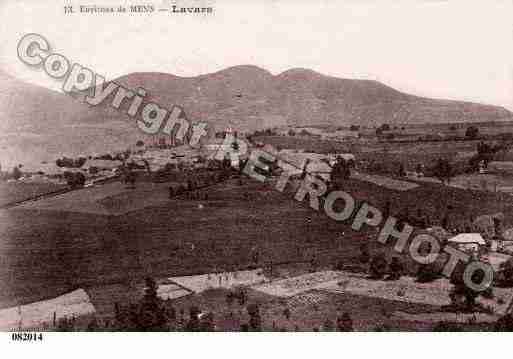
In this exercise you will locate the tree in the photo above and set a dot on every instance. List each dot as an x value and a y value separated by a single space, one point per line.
193 325
255 321
354 128
328 325
378 267
79 179
401 171
75 179
16 173
226 164
341 170
79 162
485 154
152 315
444 326
70 162
461 291
443 170
286 313
472 132
139 143
427 273
93 325
396 269
385 127
207 323
345 323
364 256
387 209
130 178
506 272
504 324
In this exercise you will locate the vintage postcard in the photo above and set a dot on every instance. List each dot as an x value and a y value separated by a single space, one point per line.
255 166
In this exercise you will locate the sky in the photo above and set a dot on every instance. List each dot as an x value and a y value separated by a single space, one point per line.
452 49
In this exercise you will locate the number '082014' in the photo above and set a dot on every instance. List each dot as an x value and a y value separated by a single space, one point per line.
25 337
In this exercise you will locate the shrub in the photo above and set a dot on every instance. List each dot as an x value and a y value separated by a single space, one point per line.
504 324
472 132
378 267
16 173
444 326
396 269
75 179
427 273
345 323
506 273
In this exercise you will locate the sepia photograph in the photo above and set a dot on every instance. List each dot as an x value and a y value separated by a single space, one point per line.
281 166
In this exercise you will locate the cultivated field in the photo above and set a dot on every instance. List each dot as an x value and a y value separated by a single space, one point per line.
19 191
49 251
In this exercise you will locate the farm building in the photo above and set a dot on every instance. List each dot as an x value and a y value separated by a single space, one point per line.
487 224
319 165
101 165
501 166
48 168
468 242
340 135
345 156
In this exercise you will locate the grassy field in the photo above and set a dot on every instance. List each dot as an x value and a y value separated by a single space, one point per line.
381 157
410 153
46 252
308 311
106 238
19 191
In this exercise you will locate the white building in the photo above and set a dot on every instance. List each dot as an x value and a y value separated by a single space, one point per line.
468 242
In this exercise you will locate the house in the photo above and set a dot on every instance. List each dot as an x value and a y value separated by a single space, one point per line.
101 165
501 166
49 169
489 224
346 156
213 145
468 242
340 135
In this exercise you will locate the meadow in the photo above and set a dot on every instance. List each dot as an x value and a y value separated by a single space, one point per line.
49 251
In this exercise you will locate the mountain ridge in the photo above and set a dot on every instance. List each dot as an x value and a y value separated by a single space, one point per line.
48 123
253 98
40 124
301 97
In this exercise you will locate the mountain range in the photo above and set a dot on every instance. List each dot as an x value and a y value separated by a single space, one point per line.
251 97
35 119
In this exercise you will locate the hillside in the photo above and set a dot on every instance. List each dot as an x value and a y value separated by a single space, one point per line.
250 97
37 124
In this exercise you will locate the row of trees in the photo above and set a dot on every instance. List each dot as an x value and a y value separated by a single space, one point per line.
463 298
16 173
70 162
444 170
74 179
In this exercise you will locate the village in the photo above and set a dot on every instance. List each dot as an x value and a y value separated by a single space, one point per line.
318 281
